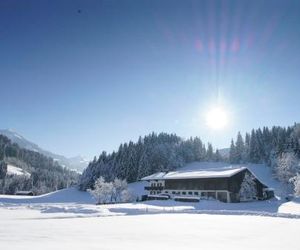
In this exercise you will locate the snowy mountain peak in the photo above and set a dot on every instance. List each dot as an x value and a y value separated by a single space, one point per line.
14 133
77 163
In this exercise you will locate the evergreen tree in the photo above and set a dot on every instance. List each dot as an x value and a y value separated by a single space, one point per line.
248 189
46 175
209 152
246 157
239 149
218 156
3 169
152 153
232 153
254 153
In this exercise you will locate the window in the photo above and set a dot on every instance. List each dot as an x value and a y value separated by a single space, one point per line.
196 193
173 192
184 193
166 192
190 193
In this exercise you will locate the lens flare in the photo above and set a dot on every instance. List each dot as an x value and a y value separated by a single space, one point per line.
216 118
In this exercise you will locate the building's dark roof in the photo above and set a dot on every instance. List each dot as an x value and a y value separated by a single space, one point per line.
24 192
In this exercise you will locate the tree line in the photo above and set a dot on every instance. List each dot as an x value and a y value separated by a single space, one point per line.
45 174
277 147
150 154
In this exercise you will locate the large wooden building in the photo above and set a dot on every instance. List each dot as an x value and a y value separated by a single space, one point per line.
223 184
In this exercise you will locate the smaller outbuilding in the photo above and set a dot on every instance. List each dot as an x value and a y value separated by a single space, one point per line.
225 184
26 193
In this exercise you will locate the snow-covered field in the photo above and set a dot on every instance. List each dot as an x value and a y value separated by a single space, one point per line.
68 219
73 203
23 228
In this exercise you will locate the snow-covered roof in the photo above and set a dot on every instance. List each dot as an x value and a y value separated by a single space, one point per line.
204 173
156 176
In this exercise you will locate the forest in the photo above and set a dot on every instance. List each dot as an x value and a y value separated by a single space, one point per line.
277 147
150 154
45 174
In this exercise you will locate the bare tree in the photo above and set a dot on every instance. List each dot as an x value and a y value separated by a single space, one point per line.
102 191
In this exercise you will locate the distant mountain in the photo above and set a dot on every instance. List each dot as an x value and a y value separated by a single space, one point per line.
77 163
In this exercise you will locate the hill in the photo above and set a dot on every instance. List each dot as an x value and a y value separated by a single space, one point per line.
77 163
261 171
23 169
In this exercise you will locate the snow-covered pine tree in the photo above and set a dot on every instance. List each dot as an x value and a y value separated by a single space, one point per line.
246 157
197 149
3 169
232 153
187 151
239 148
144 165
288 165
261 144
295 140
248 189
209 152
254 151
218 156
132 168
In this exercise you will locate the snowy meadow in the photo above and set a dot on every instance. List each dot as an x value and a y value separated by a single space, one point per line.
26 230
68 219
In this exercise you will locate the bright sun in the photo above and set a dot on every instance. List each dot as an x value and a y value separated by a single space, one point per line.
216 118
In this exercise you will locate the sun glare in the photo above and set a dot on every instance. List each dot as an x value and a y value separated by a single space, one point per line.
216 118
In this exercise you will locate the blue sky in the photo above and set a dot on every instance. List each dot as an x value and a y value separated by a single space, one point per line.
79 77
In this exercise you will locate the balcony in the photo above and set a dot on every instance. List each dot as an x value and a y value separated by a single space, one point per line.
156 188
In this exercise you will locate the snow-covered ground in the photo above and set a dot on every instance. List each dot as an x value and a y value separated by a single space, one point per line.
24 228
68 219
73 203
292 207
70 195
